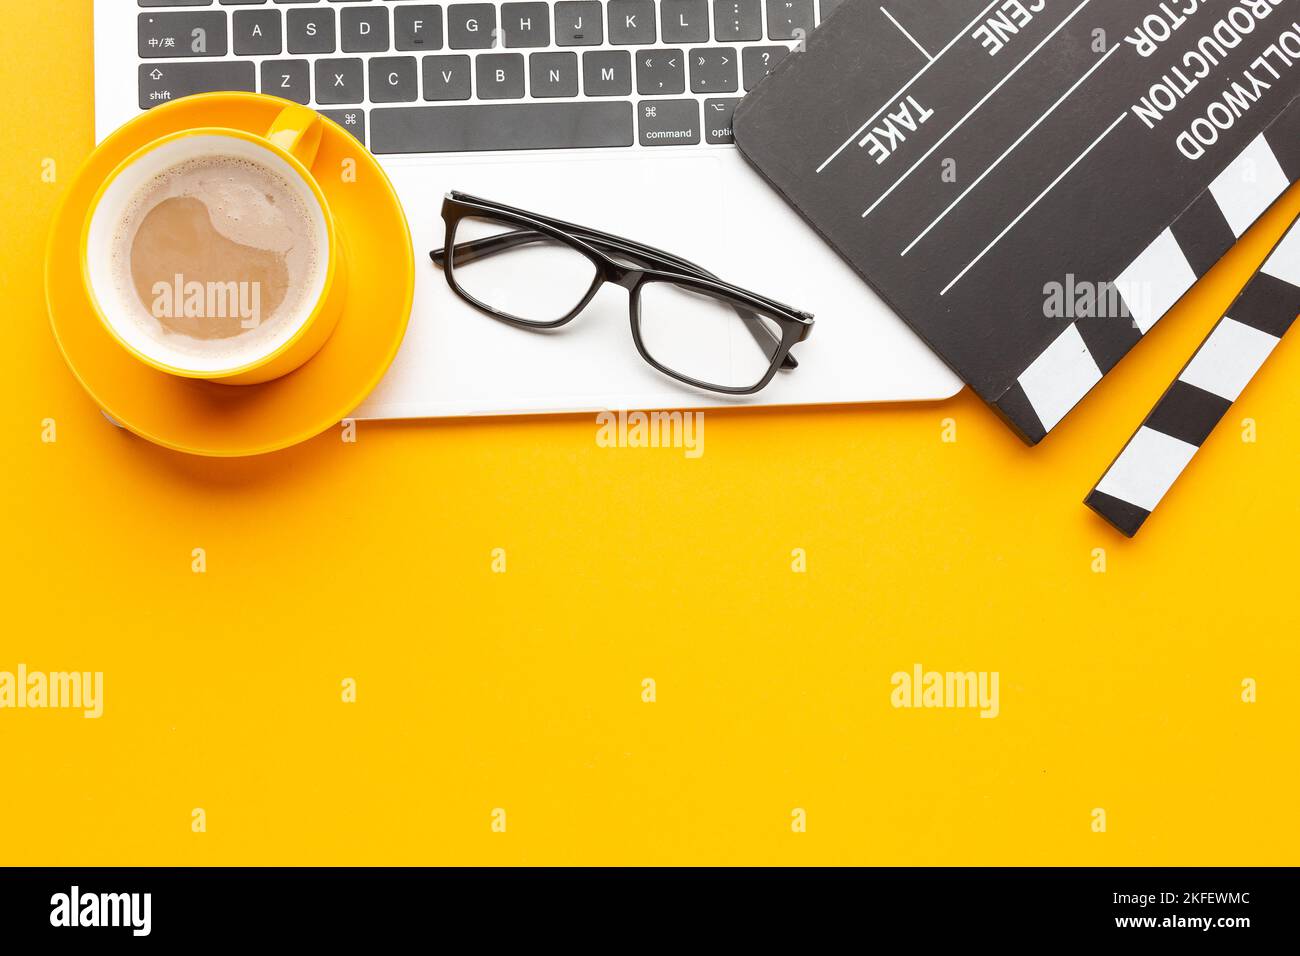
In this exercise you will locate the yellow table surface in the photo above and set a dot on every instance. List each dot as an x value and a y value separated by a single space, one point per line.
522 692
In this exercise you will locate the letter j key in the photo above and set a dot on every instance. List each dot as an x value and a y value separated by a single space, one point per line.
579 23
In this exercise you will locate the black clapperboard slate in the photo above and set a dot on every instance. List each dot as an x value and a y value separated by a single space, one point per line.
1081 145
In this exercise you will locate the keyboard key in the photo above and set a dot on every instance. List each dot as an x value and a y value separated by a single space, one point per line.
526 24
179 3
660 71
354 121
717 120
163 82
499 126
471 26
553 74
789 19
607 73
827 7
418 27
311 31
631 22
340 81
446 77
257 33
685 21
669 122
290 79
364 29
182 34
758 61
499 76
579 23
737 20
394 79
713 70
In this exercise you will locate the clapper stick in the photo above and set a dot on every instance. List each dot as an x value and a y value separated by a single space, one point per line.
1205 389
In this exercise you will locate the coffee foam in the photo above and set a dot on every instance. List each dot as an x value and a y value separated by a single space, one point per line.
246 201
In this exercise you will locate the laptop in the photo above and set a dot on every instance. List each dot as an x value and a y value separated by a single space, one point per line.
610 113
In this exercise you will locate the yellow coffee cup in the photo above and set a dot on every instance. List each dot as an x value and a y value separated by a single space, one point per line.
287 150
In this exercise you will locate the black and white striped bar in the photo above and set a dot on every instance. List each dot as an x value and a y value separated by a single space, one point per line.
1157 279
1205 389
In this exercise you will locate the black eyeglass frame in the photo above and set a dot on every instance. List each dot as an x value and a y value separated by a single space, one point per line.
651 265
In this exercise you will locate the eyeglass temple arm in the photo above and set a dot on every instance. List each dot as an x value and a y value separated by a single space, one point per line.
475 249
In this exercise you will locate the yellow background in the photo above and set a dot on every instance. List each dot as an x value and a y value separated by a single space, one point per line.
1119 690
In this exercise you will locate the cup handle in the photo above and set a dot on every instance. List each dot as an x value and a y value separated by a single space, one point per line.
298 130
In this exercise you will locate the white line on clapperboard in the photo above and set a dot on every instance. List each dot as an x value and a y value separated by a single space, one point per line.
905 87
924 52
1010 149
1030 207
928 153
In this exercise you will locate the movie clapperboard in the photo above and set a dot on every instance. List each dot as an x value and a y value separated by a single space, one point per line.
1032 184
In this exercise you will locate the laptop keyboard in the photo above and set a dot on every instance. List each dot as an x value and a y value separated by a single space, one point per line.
412 77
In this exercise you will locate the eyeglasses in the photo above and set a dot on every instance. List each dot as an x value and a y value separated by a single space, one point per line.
536 272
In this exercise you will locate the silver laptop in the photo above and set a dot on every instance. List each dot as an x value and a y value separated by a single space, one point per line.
610 113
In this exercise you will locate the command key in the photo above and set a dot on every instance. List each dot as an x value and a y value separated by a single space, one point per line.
668 122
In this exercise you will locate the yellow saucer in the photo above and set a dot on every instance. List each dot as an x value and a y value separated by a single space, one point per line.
204 418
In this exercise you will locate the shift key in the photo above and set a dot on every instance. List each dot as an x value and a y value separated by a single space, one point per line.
668 122
164 82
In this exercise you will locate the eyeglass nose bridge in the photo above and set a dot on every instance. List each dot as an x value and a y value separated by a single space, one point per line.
621 275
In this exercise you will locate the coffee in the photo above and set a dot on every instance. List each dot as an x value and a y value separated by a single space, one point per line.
217 258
